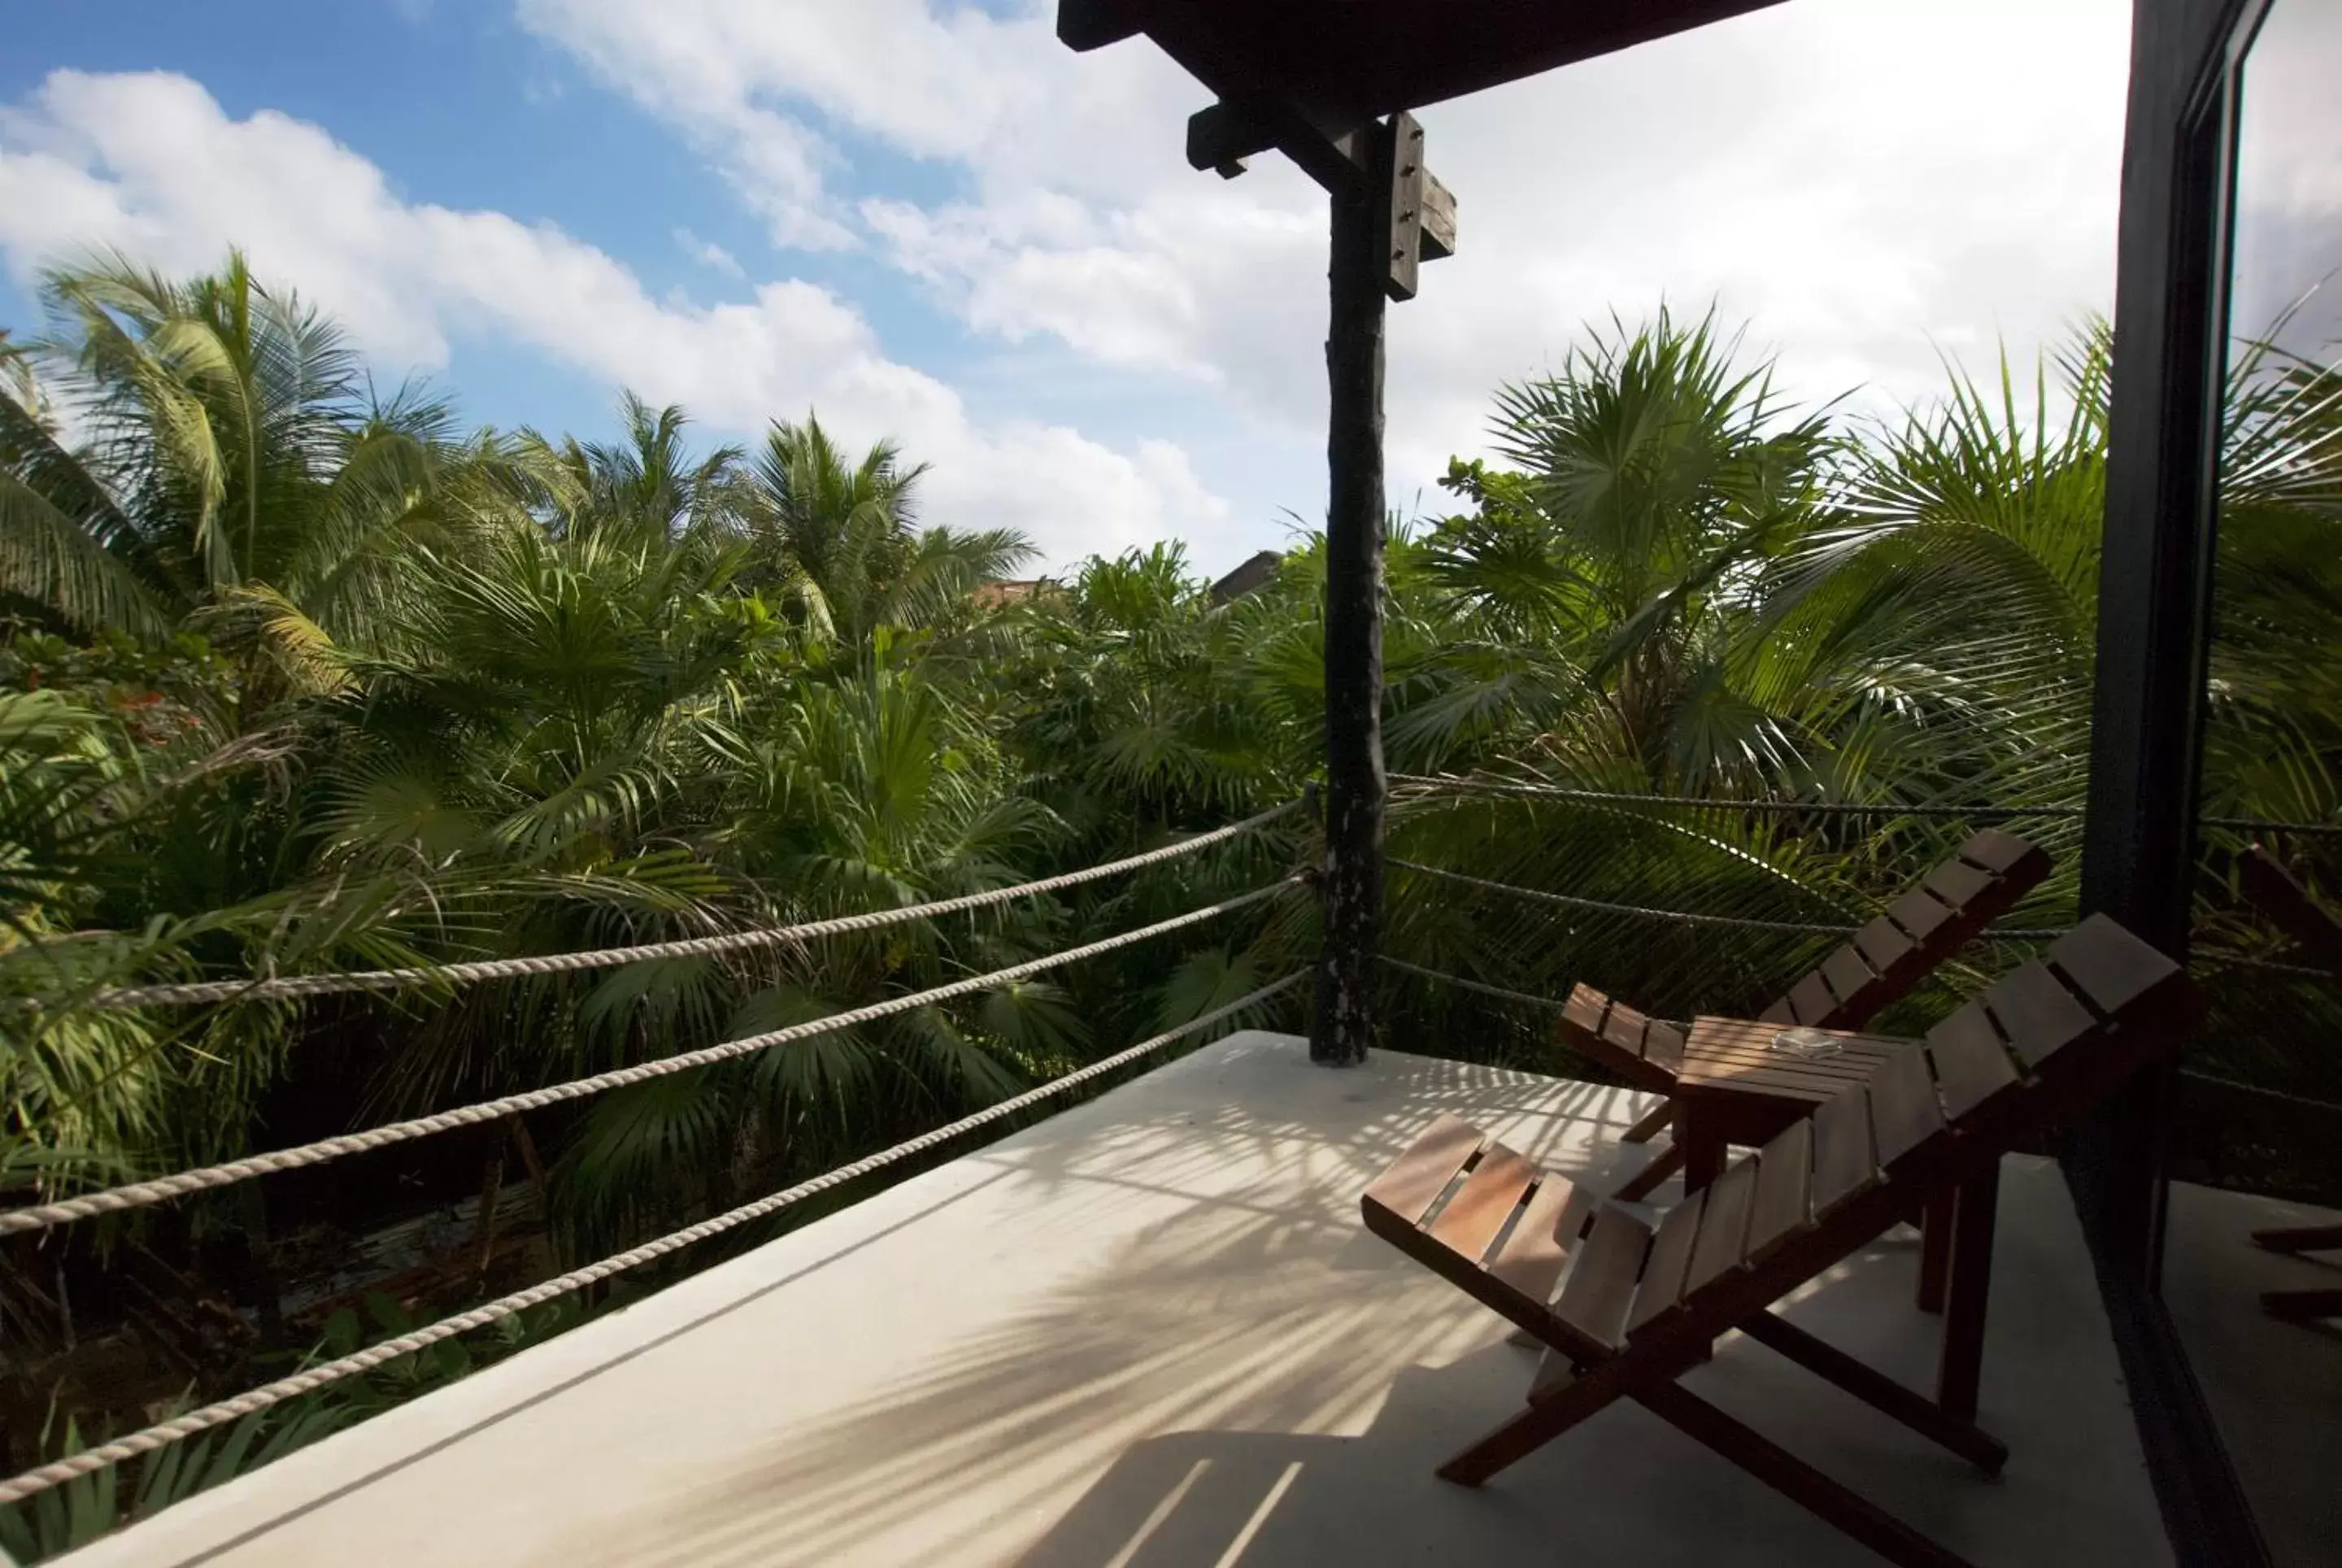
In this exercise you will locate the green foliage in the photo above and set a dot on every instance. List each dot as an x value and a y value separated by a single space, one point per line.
88 1506
297 678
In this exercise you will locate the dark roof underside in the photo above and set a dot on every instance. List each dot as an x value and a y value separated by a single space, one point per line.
1344 62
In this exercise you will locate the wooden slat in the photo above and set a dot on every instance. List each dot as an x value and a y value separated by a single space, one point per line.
2112 968
1723 1227
1902 1109
1883 943
1918 914
1663 1274
1811 1001
1584 1008
1417 1178
1785 1076
1602 1286
1778 1013
2038 1016
1585 1018
1533 1256
1957 883
1997 851
1663 1046
1845 1163
2279 895
1784 1189
1856 1053
1485 1201
1848 975
1624 1029
1971 1064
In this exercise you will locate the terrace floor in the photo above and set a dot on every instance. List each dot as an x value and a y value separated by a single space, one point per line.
1151 1331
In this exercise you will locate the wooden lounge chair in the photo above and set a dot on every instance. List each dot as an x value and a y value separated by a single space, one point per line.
1854 985
1639 1304
2311 924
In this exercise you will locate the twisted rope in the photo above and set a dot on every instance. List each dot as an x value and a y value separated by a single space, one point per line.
138 1194
2271 966
1824 808
270 987
1684 917
163 1433
1482 986
2302 1101
1814 807
1693 918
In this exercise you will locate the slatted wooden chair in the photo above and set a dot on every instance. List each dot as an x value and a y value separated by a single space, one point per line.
1640 1304
2309 923
1879 968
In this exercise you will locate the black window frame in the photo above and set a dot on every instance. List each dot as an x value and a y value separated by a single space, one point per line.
2155 630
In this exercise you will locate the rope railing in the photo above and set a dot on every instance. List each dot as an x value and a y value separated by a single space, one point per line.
163 1433
1787 927
1502 993
2060 812
139 1194
1476 784
1688 917
1637 911
2265 966
266 988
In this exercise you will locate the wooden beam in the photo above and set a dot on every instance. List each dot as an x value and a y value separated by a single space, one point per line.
1085 25
1438 219
1357 60
1352 884
1406 206
1223 136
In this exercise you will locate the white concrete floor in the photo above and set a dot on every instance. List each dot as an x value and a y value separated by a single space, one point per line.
1152 1331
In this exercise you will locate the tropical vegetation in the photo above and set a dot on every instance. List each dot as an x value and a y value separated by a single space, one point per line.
296 675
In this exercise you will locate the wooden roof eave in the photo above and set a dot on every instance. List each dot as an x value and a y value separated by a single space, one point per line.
1296 75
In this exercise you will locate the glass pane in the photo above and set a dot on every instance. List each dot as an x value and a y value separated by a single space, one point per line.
2259 1132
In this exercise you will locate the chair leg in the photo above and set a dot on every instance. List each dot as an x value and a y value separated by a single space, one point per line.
1935 1255
1647 1182
1792 1477
1878 1391
2302 1306
1960 1371
1651 1126
1570 1402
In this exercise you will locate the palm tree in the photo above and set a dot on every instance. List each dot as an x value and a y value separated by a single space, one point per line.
1653 484
233 472
647 487
836 535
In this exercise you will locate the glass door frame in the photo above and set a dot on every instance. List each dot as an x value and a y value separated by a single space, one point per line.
2154 639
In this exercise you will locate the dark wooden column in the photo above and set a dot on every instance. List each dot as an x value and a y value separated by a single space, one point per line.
1352 889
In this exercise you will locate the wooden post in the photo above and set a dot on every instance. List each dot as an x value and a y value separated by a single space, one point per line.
1352 888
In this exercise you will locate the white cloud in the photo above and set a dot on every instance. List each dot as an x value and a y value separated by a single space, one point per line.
1868 183
149 163
708 253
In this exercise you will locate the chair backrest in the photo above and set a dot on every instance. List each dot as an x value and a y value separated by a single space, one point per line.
2045 1041
1647 1052
2290 906
1981 882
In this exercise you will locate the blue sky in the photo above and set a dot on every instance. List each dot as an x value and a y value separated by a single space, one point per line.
929 222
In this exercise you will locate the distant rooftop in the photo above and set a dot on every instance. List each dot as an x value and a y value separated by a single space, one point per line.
1255 573
1012 590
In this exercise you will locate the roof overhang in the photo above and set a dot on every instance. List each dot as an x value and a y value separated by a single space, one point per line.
1336 65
